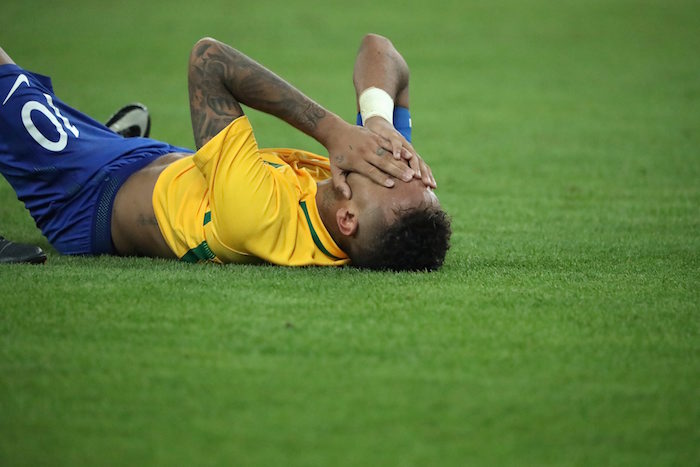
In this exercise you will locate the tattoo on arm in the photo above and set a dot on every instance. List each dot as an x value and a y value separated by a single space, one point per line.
212 107
220 77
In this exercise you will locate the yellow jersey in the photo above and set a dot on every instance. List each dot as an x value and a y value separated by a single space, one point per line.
232 202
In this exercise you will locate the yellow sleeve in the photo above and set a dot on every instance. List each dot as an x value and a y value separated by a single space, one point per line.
251 206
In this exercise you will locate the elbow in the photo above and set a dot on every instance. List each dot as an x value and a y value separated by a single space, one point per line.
204 42
377 45
200 47
376 41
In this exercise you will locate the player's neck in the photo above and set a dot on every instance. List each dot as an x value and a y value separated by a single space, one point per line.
327 200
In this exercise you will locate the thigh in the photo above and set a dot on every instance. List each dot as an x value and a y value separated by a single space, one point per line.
62 163
44 144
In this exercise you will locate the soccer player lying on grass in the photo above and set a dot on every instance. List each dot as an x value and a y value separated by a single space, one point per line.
91 191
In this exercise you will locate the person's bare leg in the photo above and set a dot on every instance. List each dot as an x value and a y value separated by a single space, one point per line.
11 252
4 58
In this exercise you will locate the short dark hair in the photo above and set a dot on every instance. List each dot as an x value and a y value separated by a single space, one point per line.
416 241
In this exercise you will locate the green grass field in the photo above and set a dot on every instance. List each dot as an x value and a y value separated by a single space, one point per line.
564 328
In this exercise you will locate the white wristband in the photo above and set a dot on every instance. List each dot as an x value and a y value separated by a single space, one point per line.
376 102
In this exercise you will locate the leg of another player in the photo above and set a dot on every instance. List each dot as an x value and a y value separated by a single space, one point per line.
11 252
4 58
129 121
132 120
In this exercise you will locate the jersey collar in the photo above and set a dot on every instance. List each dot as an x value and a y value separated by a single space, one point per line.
322 239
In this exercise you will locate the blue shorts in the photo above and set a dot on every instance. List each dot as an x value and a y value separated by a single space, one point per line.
65 166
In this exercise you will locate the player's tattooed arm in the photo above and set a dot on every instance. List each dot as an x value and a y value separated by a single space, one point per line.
221 77
212 106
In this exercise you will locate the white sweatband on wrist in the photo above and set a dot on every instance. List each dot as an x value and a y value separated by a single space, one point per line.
376 102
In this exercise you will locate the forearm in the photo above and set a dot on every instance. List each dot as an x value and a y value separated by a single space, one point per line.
228 77
220 77
380 65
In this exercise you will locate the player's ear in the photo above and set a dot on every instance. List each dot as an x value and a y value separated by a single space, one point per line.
347 221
